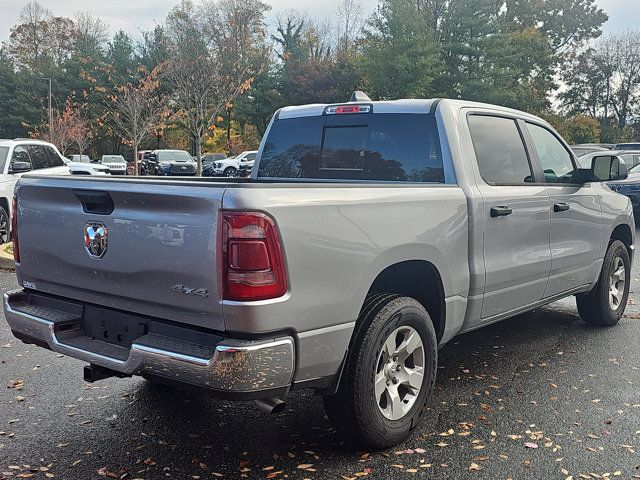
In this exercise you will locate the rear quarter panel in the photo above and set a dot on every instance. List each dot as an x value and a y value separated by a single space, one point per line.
336 240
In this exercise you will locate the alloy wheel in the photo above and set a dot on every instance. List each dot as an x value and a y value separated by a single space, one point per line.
617 282
399 373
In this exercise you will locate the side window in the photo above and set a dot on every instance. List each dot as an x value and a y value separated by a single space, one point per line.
54 158
251 157
38 157
556 160
502 158
20 154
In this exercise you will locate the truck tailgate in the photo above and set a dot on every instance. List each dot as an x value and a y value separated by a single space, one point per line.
160 255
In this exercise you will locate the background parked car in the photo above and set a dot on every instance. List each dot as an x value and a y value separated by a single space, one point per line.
80 158
143 166
586 148
81 168
171 162
230 167
627 146
116 164
213 157
245 171
208 159
631 158
20 157
630 187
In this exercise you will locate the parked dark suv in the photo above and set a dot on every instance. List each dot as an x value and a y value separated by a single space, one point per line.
172 162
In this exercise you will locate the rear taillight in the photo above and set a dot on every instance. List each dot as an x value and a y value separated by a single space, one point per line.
252 260
14 229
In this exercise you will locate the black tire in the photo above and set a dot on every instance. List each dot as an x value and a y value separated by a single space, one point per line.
5 226
594 307
230 172
353 410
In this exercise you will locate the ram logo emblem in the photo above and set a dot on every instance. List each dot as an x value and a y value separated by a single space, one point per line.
96 236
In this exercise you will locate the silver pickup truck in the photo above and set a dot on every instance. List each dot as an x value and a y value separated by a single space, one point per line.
370 234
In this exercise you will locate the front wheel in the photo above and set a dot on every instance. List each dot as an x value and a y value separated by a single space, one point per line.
389 374
230 172
605 304
5 233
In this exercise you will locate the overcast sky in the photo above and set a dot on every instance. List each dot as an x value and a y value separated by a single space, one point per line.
134 15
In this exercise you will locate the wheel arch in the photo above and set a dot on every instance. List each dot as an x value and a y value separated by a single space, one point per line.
418 279
623 233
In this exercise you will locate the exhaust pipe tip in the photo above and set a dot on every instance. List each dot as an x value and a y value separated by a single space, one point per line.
271 405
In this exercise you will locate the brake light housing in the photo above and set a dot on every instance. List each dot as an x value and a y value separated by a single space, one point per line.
14 229
347 109
252 258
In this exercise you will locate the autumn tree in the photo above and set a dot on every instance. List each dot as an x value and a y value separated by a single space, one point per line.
39 40
584 129
82 133
604 80
132 106
207 72
91 36
27 43
349 15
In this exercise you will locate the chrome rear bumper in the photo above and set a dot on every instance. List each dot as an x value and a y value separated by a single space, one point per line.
244 367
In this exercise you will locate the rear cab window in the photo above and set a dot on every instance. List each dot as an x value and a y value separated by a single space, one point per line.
390 147
500 150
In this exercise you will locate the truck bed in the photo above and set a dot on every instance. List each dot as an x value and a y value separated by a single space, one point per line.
336 238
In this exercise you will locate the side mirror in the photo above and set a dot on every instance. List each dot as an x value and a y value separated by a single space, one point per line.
19 167
152 158
607 168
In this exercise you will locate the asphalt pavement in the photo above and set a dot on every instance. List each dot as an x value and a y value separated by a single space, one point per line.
540 396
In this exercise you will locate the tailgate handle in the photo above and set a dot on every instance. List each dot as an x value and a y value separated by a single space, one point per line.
95 202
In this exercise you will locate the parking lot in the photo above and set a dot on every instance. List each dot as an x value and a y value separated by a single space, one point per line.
538 396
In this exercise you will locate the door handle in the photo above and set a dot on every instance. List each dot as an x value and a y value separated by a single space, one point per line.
561 207
501 211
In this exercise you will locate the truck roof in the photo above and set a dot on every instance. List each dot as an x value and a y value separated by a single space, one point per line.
399 106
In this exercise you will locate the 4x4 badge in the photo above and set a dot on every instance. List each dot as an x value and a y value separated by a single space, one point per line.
201 292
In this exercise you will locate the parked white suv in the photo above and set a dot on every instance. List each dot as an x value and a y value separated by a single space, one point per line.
116 164
24 156
229 167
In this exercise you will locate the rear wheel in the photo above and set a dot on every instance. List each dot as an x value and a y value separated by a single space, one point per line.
230 172
605 304
389 374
